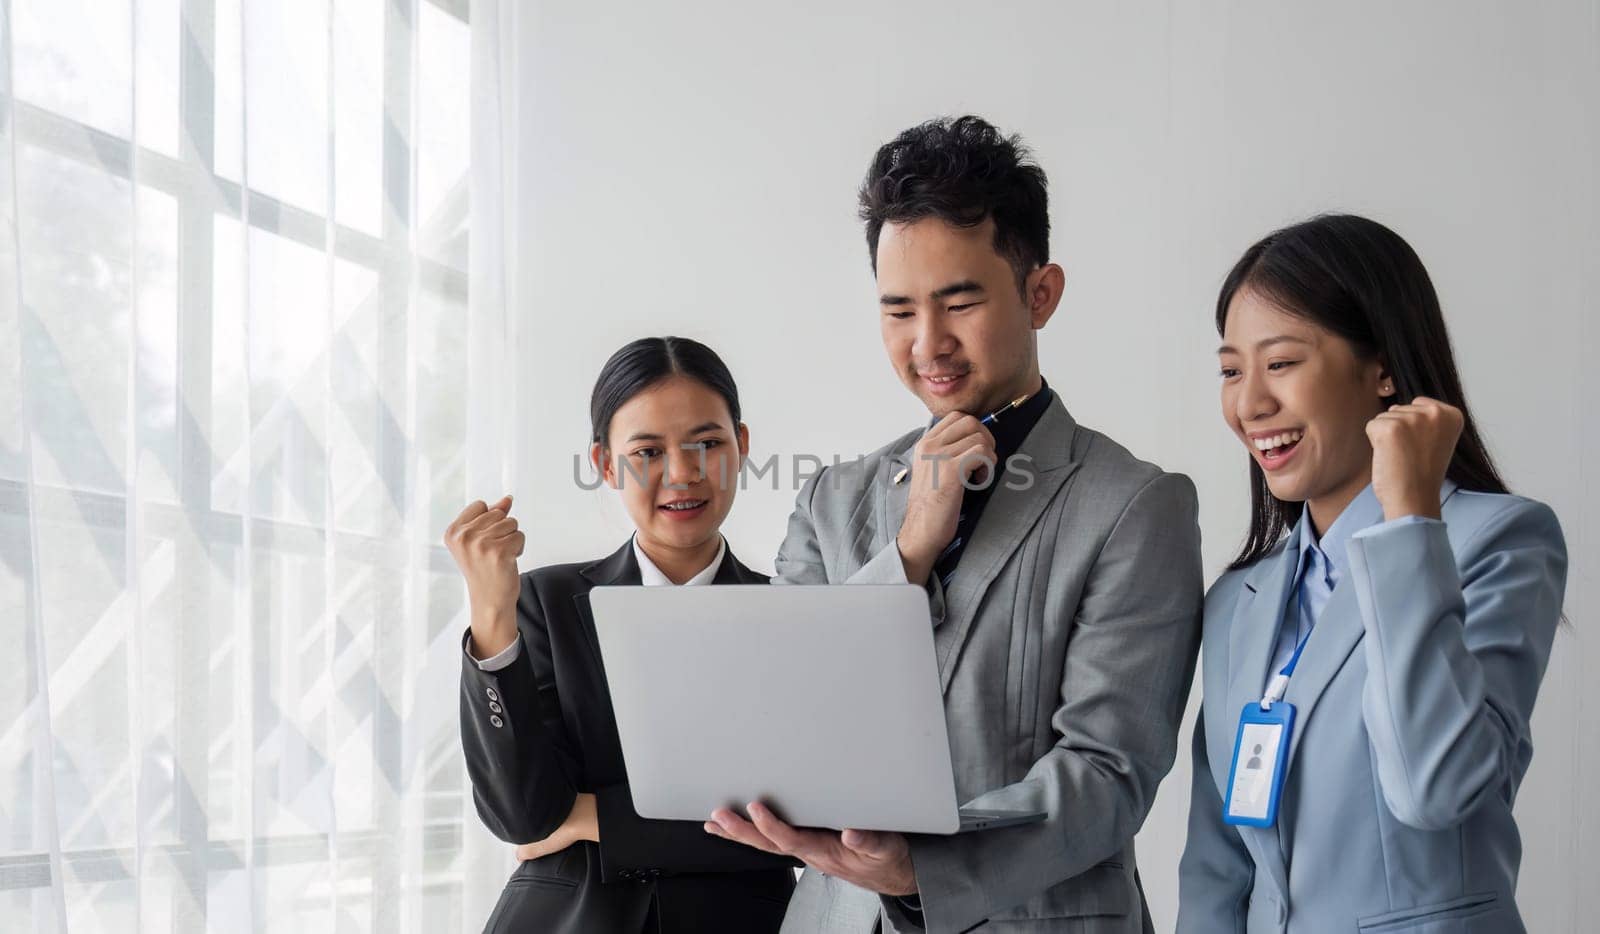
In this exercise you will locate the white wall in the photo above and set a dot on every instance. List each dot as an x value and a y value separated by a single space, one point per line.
693 172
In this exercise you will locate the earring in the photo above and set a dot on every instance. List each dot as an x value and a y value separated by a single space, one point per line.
1387 389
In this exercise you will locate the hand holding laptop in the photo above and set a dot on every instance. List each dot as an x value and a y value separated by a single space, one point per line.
878 861
715 691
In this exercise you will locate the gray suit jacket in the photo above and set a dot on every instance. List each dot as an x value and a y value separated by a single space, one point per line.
1412 702
1065 645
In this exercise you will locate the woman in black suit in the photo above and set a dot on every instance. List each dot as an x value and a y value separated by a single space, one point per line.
536 721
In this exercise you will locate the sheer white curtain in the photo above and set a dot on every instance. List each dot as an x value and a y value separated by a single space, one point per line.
234 349
502 358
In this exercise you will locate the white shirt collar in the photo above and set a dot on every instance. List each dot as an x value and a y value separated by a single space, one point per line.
651 576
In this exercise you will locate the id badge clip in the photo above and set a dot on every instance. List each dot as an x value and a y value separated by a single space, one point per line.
1260 757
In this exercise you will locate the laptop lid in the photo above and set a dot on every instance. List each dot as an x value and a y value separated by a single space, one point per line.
822 701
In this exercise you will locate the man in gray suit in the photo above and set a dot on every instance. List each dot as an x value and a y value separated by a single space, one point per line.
1063 574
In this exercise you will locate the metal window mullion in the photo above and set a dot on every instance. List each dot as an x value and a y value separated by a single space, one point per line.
457 8
194 185
440 841
388 607
132 563
105 512
195 407
330 609
413 639
252 638
46 818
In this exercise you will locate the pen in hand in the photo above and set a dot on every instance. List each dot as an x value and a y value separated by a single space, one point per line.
987 420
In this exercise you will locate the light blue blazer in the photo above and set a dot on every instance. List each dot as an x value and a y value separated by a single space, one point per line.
1412 702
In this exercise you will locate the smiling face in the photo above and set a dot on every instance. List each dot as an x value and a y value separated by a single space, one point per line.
673 453
1299 397
957 330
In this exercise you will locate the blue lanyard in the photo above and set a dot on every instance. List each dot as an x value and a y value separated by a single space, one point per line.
1280 683
1288 670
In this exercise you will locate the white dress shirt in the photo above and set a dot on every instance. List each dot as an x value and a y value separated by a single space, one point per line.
649 575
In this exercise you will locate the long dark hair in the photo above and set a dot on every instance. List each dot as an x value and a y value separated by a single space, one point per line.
1361 281
647 361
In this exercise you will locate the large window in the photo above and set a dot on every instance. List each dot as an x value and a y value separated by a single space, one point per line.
232 302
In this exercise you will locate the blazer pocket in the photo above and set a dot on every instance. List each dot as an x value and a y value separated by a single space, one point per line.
1105 890
531 899
1439 916
517 882
556 869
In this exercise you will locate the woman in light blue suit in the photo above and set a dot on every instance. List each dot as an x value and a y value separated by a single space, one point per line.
1384 629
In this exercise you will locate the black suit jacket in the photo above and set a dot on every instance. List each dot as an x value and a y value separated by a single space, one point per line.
541 730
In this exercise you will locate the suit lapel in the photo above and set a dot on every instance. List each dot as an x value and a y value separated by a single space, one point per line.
1251 641
1006 521
1332 640
621 568
732 571
892 504
1254 633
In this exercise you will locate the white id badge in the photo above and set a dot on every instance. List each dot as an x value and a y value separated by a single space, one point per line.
1260 752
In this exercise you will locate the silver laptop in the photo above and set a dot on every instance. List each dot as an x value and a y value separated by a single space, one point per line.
821 701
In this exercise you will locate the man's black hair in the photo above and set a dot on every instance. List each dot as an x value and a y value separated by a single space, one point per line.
962 171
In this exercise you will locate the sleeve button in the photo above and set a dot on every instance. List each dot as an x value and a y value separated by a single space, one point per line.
496 721
491 693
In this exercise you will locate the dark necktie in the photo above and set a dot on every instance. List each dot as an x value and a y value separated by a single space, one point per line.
945 564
